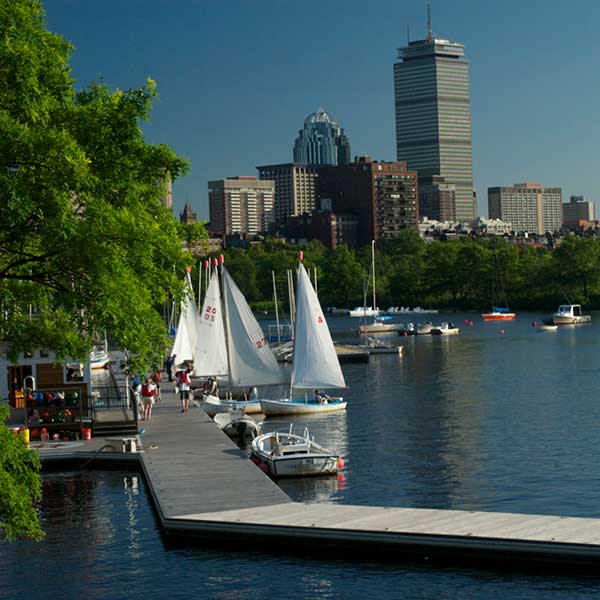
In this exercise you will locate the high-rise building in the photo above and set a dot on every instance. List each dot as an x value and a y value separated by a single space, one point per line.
322 141
437 199
383 195
433 116
576 210
529 207
241 205
295 188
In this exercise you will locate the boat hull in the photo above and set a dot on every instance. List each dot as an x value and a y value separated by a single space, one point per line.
380 328
571 320
543 328
213 405
453 331
499 316
299 466
299 406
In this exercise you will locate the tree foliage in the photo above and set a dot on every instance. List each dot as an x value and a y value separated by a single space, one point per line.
85 244
20 485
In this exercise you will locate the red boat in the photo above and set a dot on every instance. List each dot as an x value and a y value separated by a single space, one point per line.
499 316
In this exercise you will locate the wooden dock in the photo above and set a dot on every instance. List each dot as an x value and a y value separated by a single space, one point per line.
203 486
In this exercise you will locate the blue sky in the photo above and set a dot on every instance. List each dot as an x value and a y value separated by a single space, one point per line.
237 78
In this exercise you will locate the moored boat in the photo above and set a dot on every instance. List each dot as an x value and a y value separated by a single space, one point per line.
424 328
545 327
499 314
286 454
213 405
380 325
570 314
365 311
237 424
445 329
315 362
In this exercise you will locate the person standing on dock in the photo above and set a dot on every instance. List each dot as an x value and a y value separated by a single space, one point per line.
169 364
148 393
157 378
184 384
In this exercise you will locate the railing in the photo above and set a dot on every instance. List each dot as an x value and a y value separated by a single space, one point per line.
107 397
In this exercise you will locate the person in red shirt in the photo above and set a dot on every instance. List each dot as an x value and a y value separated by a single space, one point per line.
157 378
184 384
148 394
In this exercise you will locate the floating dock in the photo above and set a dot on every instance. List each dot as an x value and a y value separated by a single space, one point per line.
203 486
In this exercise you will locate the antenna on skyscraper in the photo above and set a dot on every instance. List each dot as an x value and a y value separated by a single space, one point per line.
408 34
429 33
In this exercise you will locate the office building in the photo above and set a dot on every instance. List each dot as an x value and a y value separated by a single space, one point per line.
530 207
437 199
329 228
295 188
241 205
578 209
382 195
322 141
433 116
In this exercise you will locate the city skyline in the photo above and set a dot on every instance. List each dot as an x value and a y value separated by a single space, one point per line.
532 100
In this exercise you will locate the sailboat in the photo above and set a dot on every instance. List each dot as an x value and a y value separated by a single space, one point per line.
316 365
187 327
379 324
231 343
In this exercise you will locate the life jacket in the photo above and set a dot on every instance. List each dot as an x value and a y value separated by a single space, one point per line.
147 392
184 377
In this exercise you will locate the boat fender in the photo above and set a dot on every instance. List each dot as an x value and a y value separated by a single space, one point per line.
470 323
340 462
533 324
502 332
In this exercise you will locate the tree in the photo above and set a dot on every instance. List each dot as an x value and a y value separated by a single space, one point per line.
85 243
20 485
343 278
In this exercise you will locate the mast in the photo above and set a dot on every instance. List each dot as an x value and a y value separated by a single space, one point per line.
300 259
225 318
373 271
276 308
315 278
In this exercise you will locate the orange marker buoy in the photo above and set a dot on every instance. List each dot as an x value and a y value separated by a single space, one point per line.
502 332
340 463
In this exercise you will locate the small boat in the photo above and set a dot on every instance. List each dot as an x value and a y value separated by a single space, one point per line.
315 361
213 405
237 424
406 310
380 325
408 329
288 455
304 405
374 346
499 314
445 329
99 357
546 327
424 328
570 314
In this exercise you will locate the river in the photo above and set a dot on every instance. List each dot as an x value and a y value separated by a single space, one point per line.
499 418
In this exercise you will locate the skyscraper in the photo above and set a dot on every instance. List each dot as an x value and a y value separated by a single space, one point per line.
433 116
322 141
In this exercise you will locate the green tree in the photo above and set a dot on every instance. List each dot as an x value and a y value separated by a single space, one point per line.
342 280
20 485
576 265
84 240
85 244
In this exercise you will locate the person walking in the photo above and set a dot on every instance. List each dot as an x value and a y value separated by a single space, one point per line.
157 378
148 393
184 384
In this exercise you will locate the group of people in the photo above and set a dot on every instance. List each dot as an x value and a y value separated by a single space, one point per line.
146 392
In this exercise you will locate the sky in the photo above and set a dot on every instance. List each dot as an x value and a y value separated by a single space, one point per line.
237 78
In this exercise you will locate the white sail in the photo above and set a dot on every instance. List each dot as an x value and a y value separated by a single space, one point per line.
210 354
187 329
316 364
252 362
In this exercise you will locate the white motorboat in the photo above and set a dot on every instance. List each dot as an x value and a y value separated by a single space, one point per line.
237 424
570 314
365 311
408 329
288 455
424 328
315 362
445 329
99 357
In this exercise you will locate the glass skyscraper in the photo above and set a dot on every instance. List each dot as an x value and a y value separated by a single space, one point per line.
433 116
322 141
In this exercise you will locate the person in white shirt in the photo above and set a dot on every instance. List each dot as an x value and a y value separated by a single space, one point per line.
184 384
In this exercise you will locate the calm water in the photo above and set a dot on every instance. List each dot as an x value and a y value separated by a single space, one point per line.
480 421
